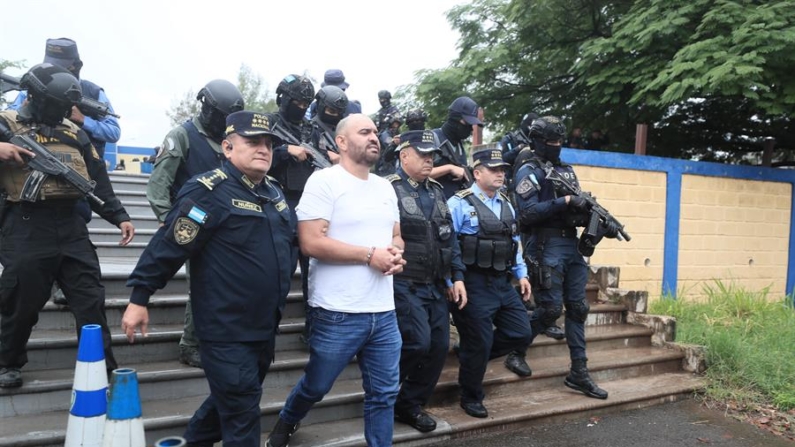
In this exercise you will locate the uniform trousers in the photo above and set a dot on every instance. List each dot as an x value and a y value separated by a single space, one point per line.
41 243
424 324
235 371
493 323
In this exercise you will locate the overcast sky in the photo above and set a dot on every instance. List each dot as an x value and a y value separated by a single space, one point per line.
146 54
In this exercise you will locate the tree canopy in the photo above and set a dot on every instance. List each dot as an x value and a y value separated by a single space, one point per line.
711 78
251 86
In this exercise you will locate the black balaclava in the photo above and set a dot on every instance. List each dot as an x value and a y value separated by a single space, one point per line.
456 130
292 112
213 121
546 151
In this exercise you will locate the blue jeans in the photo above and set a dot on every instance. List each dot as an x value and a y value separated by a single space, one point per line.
334 339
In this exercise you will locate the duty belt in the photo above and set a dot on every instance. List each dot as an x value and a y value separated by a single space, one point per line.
546 233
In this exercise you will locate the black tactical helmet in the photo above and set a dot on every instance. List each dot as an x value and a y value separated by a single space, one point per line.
547 128
221 95
416 115
527 120
384 94
332 97
396 118
53 91
295 87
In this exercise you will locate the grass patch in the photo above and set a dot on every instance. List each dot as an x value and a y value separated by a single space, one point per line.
750 342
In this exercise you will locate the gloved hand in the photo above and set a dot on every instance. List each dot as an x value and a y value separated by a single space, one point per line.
578 202
609 230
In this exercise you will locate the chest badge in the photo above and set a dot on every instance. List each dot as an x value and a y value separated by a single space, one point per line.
185 230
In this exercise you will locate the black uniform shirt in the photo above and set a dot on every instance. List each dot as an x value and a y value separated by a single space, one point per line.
240 239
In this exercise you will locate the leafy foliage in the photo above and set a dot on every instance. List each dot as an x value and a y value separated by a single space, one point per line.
251 86
710 77
8 64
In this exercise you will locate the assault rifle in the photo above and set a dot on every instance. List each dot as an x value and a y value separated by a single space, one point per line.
89 107
44 164
448 151
8 83
320 161
598 213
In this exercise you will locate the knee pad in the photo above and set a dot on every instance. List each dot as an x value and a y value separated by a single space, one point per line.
578 311
550 314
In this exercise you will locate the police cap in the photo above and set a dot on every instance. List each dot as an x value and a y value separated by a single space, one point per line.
63 53
465 107
488 155
424 141
335 77
248 124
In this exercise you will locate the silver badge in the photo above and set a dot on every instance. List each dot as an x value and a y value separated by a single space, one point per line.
524 186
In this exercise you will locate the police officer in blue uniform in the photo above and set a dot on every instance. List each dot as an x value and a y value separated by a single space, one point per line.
433 272
192 148
450 164
234 225
548 219
494 322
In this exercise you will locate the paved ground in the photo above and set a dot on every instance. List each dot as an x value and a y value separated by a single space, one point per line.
683 423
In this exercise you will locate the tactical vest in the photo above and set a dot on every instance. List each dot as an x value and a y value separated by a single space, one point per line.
493 247
92 90
291 173
427 253
201 157
63 142
551 191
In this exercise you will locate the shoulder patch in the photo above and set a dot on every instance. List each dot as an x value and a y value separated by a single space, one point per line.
185 230
211 179
525 186
392 178
463 193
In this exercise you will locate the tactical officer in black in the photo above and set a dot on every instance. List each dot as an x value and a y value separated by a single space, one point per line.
513 142
389 139
433 272
234 225
188 150
450 164
332 104
387 110
415 119
548 219
494 322
46 240
292 165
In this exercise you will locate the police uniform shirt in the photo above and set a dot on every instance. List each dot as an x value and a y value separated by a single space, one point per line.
465 220
535 196
240 239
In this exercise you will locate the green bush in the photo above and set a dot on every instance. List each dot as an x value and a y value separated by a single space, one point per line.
750 342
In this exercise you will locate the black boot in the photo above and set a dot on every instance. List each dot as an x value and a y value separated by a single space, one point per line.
516 363
281 433
579 380
554 332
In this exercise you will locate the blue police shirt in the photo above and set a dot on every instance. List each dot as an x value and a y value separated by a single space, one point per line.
240 239
465 221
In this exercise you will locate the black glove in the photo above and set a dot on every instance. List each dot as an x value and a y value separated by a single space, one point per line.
609 230
578 202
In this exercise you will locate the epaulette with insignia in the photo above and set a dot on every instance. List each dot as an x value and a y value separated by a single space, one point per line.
392 178
463 193
504 196
435 182
273 180
212 178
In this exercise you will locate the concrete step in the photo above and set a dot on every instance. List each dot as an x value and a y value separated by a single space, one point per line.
140 221
168 416
46 391
113 235
116 271
126 195
541 407
129 182
164 309
131 251
57 348
136 206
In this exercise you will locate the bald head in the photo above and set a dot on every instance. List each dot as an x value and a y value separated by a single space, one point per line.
357 139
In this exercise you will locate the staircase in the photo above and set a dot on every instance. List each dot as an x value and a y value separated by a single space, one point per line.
623 360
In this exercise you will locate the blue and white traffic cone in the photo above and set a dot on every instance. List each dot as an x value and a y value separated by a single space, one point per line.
89 392
124 426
